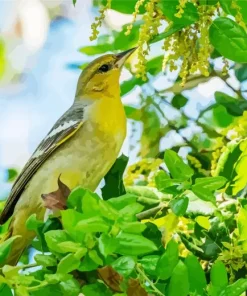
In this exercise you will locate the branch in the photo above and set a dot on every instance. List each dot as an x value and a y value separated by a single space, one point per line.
139 270
151 212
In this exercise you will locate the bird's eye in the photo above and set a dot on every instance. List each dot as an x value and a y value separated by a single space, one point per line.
104 68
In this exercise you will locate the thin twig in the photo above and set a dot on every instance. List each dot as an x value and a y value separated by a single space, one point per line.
139 270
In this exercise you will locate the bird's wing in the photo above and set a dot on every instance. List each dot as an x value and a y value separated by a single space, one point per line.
63 130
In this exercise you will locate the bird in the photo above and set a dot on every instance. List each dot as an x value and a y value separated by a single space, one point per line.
80 148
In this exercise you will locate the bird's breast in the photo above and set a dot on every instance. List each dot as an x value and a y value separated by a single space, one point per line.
107 117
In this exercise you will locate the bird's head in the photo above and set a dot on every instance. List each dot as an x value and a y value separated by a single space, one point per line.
101 76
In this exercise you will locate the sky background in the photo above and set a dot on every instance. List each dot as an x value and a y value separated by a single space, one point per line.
41 41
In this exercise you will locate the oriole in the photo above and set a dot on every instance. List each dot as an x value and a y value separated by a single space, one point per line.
80 148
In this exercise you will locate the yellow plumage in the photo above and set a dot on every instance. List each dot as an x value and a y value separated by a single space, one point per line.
81 150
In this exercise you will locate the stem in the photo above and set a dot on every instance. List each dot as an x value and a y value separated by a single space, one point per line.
237 91
22 267
28 265
149 213
35 288
138 269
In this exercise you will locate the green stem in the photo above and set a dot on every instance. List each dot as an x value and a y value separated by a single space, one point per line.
36 288
22 267
142 273
151 212
28 265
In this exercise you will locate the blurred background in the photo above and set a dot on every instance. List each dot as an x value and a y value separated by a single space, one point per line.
40 56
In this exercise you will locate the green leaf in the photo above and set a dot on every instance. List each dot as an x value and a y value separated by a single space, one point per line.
241 72
125 42
70 218
154 66
12 173
240 178
93 254
179 205
54 237
122 201
227 6
204 187
88 264
45 260
211 183
97 49
69 246
179 282
124 265
21 291
32 223
145 195
129 85
57 277
208 2
5 290
131 210
74 2
210 249
90 203
132 227
171 30
232 105
176 166
153 233
149 264
5 248
242 222
75 198
204 222
56 291
68 264
70 288
179 101
97 289
10 271
107 244
120 5
114 179
218 276
197 278
93 224
224 166
168 261
50 224
107 210
188 17
221 117
235 289
133 244
229 39
161 180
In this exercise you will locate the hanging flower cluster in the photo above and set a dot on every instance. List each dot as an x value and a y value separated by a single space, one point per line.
187 49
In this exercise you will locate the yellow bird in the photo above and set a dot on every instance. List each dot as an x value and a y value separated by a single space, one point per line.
81 147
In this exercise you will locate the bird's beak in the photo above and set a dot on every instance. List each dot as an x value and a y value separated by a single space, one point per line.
123 56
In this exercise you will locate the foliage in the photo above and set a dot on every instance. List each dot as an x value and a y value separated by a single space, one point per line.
190 30
107 246
171 225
